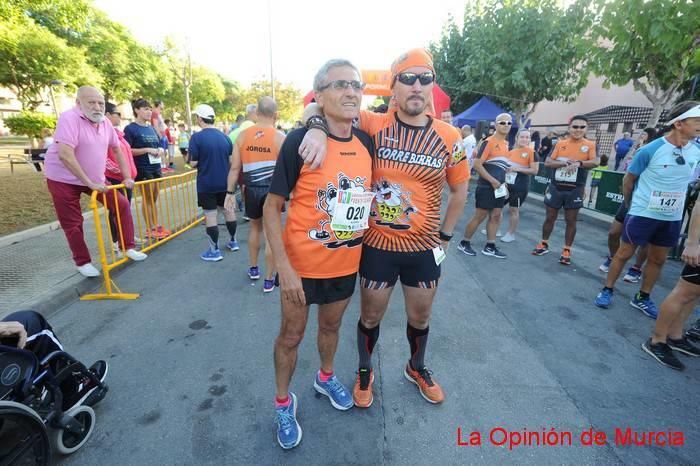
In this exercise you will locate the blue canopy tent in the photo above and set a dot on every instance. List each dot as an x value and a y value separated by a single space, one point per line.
484 109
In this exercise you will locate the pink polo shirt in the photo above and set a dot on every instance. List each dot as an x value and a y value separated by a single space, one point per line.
89 142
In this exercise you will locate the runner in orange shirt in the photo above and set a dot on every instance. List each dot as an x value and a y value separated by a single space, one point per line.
416 155
523 164
570 161
318 255
491 162
255 151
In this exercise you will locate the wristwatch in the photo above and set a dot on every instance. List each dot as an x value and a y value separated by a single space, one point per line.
315 120
230 192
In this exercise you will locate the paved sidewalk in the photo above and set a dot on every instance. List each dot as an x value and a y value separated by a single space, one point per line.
515 343
37 270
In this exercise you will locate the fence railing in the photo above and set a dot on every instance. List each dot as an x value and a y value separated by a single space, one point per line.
162 209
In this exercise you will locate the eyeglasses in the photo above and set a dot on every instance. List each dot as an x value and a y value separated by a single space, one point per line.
409 79
343 84
678 152
504 123
578 127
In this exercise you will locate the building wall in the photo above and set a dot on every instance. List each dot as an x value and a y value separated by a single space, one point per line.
592 97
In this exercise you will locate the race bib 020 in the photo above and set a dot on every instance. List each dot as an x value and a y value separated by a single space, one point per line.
351 211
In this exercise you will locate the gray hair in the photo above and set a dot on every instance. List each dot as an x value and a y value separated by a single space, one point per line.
251 108
322 74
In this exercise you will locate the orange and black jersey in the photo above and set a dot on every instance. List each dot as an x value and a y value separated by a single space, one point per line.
570 149
314 249
522 157
409 171
258 151
493 152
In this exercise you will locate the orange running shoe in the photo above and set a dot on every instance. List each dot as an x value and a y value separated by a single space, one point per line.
363 397
429 389
565 258
163 232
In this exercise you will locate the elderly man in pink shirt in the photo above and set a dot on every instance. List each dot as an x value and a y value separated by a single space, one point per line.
75 164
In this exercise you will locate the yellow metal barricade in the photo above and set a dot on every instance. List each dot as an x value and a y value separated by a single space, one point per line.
161 210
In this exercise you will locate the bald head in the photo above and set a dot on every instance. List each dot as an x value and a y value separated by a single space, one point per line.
466 131
267 107
91 103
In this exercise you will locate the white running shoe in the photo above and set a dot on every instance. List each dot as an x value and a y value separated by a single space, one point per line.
508 238
498 233
136 256
117 251
88 270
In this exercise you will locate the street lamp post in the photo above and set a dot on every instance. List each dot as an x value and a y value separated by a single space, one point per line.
55 82
269 30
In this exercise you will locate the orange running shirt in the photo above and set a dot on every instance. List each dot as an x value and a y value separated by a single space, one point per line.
522 157
409 170
258 155
313 248
493 152
568 149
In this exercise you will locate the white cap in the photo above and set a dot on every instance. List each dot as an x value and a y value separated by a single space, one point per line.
692 113
204 111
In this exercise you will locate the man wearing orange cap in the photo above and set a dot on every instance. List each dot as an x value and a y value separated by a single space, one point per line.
415 155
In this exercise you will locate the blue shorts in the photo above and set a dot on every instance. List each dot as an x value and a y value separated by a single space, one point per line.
641 231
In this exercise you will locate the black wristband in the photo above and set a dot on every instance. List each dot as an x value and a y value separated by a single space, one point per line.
444 236
315 120
230 192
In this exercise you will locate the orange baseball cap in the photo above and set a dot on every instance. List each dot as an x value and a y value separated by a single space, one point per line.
414 57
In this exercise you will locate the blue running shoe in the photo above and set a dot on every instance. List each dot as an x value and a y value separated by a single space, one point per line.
340 397
605 266
633 275
253 273
604 298
647 306
288 429
212 255
233 245
268 286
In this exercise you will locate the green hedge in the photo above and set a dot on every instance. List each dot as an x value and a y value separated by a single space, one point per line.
30 123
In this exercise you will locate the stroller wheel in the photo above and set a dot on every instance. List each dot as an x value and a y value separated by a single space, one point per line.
67 441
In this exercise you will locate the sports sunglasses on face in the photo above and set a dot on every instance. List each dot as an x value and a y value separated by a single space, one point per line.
409 79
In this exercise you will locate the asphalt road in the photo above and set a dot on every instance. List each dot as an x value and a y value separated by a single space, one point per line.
516 344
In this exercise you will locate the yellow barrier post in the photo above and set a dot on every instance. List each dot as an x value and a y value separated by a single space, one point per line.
189 221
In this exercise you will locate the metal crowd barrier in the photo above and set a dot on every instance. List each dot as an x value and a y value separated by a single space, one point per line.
176 210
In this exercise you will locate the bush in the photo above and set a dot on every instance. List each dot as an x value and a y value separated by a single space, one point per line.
30 123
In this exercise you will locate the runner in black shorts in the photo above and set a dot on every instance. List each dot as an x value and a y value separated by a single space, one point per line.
523 164
382 269
570 161
254 156
491 163
679 304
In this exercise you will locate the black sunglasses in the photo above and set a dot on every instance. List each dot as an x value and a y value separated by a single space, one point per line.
343 84
678 152
409 79
502 123
578 127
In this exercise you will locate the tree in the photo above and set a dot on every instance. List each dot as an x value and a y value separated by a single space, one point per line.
33 58
289 99
519 51
232 102
652 43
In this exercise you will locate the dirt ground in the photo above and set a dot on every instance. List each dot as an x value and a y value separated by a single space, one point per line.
24 198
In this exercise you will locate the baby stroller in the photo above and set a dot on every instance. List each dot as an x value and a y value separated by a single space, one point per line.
38 405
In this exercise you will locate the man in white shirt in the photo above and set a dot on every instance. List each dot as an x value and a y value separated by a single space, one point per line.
469 142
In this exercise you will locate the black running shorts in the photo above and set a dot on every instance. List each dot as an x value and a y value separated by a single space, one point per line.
691 274
486 199
516 198
210 201
328 290
556 198
254 201
381 269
